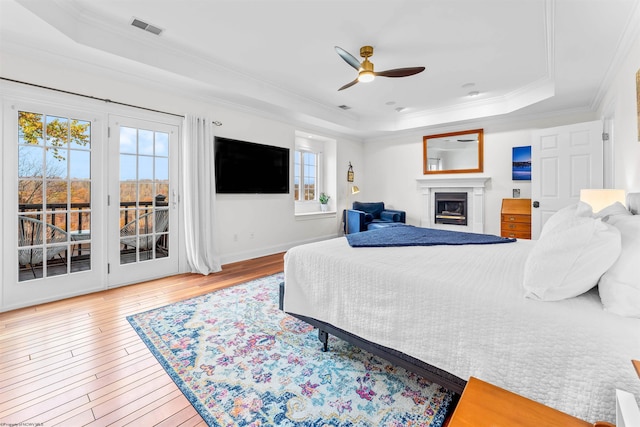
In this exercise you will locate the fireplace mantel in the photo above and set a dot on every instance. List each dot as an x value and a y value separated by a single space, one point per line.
473 185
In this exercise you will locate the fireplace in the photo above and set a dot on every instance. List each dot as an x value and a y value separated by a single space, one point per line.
472 185
450 208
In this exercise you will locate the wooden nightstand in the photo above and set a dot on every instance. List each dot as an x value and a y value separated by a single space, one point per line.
485 405
515 218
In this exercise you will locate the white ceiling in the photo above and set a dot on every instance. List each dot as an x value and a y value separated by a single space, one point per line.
522 56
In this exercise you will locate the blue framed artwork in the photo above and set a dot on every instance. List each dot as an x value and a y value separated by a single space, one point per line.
521 163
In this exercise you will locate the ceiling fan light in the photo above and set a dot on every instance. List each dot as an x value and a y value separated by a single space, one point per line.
366 76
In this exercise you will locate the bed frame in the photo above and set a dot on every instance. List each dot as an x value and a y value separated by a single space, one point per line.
429 372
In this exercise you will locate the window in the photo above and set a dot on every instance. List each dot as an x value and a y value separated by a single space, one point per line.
314 173
305 178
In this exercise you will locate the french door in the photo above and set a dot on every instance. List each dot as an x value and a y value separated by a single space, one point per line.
89 201
52 206
142 196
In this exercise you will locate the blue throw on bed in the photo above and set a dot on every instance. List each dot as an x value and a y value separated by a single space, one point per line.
407 235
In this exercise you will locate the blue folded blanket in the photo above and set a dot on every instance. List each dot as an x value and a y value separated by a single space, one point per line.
408 235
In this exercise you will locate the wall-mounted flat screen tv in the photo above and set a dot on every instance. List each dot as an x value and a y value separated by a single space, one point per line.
248 168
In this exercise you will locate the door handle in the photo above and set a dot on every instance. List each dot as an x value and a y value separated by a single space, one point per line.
536 204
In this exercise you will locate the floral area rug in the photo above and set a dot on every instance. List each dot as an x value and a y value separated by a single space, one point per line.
242 362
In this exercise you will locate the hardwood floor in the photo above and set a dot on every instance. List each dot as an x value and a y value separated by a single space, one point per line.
78 362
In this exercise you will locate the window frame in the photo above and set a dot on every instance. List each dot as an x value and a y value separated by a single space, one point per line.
299 153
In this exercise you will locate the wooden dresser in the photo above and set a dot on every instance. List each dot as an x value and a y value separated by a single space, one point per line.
515 218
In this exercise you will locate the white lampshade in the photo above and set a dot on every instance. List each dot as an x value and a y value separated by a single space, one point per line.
601 198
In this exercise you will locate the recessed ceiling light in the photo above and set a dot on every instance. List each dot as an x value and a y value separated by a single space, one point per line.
468 85
401 109
390 102
344 107
474 93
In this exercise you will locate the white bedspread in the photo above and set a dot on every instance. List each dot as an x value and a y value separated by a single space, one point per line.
462 309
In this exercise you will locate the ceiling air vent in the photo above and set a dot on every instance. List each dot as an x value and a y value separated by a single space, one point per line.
147 27
344 107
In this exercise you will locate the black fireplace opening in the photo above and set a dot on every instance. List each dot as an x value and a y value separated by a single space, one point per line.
451 208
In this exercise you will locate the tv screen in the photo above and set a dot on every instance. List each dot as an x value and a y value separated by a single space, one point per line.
248 168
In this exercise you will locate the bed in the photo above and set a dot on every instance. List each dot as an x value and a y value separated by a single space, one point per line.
452 312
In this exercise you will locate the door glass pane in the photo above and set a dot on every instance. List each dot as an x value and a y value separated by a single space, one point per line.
128 140
57 131
56 161
80 194
162 169
144 195
30 161
49 203
145 168
56 194
30 194
80 164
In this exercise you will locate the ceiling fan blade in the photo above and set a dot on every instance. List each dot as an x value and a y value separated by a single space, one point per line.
400 72
349 59
348 85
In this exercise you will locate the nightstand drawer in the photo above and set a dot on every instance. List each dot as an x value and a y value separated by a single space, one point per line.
516 218
516 234
516 226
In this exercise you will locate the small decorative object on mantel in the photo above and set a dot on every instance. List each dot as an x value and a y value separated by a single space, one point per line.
324 200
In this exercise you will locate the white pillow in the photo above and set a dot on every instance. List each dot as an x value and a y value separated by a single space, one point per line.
613 211
619 287
570 260
562 216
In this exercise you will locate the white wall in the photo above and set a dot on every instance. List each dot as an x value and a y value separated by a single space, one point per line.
620 105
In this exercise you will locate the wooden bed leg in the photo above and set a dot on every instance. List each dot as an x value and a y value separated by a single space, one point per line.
323 336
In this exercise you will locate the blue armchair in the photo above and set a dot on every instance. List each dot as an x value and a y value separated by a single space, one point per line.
371 215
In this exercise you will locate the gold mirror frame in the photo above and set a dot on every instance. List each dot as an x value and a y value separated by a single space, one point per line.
453 144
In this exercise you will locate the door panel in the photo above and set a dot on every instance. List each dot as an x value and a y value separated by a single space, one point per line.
50 219
143 200
565 160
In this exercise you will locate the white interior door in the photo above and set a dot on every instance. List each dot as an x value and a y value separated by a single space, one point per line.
564 159
143 201
52 207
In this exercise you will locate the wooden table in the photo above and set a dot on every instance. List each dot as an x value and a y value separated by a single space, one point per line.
485 405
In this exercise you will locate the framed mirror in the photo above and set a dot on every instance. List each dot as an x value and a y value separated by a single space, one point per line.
454 152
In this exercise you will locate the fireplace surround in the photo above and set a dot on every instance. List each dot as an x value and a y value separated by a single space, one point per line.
473 186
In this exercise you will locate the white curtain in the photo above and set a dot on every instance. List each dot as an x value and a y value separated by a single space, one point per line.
199 196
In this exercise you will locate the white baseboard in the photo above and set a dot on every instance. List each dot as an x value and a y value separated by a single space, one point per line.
260 252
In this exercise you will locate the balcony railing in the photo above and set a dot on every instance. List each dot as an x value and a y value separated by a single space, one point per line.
80 231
